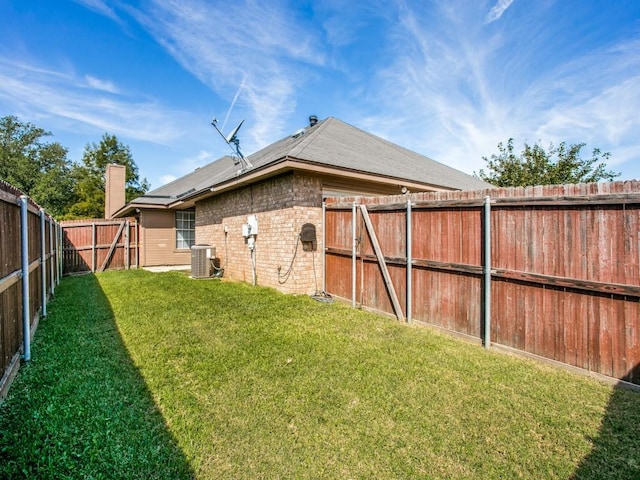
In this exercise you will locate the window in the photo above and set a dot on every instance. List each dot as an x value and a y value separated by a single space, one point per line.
185 229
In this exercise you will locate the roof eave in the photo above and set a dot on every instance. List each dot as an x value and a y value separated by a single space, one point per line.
290 163
130 208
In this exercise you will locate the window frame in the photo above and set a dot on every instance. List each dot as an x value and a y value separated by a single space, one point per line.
185 225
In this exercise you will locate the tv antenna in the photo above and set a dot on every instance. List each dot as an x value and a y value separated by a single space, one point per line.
234 143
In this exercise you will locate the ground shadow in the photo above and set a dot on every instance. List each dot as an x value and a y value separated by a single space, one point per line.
80 408
616 449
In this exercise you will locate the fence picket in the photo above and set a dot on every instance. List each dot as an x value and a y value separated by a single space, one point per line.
566 268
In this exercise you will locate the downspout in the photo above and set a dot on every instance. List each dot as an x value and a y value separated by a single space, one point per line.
409 262
487 271
24 243
43 262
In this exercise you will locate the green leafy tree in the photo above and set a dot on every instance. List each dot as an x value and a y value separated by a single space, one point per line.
90 176
537 166
40 169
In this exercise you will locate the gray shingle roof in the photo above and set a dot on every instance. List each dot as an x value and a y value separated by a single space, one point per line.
330 142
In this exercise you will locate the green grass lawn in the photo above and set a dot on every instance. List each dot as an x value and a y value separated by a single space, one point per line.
142 375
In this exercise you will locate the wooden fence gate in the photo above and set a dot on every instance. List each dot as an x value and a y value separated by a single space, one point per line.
97 245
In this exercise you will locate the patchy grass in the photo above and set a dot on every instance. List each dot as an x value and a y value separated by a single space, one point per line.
161 376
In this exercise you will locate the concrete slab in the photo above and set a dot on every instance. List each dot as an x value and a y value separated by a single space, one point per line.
167 268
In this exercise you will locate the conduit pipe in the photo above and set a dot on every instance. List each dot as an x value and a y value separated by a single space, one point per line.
487 271
43 261
24 243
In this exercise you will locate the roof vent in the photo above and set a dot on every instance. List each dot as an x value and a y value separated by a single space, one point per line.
298 133
180 195
312 120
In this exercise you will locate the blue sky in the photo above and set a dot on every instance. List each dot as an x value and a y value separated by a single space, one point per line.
448 79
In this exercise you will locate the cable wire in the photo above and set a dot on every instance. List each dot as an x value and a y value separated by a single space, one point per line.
284 277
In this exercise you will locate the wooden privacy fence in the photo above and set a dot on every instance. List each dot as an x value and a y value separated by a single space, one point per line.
550 271
96 245
30 268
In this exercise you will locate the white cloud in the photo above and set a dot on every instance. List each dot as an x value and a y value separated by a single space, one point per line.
101 7
98 84
610 116
37 92
261 44
456 88
497 10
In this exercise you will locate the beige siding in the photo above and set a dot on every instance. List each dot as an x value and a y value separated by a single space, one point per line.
158 239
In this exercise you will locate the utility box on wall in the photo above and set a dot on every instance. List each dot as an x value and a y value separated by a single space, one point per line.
201 256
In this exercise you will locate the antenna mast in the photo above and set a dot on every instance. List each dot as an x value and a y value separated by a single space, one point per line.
234 143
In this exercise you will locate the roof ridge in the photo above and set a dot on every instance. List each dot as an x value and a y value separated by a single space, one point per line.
309 138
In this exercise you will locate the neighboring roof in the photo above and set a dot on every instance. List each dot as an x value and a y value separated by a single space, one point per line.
329 143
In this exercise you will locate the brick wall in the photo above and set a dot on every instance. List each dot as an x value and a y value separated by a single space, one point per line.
282 205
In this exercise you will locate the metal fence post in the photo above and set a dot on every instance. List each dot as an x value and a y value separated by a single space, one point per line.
126 245
43 261
353 254
59 232
24 243
51 257
324 242
409 262
487 272
93 247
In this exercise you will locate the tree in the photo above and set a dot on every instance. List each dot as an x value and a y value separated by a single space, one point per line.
537 166
40 169
90 176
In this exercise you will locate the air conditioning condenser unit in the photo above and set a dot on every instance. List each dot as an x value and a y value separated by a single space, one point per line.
201 256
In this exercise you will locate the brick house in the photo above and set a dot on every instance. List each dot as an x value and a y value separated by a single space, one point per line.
284 190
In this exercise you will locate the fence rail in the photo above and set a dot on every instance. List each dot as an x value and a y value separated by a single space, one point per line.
560 279
30 269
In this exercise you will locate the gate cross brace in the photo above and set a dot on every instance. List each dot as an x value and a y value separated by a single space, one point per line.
113 247
383 265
